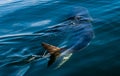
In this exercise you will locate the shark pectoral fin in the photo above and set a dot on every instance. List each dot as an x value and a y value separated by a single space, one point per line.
53 50
66 58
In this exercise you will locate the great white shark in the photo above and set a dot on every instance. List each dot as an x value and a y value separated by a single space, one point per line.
78 34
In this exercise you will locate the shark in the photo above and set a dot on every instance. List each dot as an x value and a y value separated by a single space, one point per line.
78 35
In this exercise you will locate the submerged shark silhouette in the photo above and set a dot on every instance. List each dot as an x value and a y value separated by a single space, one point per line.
79 34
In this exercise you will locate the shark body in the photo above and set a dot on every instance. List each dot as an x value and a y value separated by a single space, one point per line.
78 33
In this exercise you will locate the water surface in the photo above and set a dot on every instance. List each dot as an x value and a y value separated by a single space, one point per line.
20 20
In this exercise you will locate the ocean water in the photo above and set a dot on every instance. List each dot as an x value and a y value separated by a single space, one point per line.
21 31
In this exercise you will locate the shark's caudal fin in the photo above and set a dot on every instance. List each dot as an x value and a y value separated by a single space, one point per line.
53 50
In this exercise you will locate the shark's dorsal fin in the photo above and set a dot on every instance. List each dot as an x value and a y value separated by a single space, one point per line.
50 48
53 50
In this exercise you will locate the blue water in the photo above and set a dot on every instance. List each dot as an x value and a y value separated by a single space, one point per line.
21 24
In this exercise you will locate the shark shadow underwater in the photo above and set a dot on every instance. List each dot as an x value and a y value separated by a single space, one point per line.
50 47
